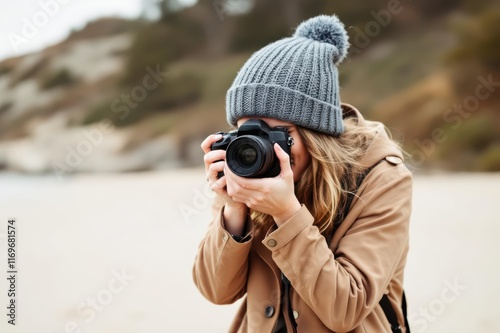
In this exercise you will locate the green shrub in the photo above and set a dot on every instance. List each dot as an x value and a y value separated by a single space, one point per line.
105 110
473 136
182 89
99 112
5 70
5 107
62 77
177 90
29 73
160 43
479 40
490 159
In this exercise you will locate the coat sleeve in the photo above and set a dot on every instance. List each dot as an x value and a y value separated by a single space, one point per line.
221 265
342 289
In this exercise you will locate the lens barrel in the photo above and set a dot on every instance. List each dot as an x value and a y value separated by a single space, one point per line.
250 156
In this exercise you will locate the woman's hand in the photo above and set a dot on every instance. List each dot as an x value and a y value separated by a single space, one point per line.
234 212
273 196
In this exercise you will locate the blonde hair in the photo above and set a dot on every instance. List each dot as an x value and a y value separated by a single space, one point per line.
331 174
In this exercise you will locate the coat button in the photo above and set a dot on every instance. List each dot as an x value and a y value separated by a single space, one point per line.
269 311
393 160
271 243
225 238
295 314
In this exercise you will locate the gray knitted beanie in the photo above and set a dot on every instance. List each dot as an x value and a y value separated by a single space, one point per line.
294 79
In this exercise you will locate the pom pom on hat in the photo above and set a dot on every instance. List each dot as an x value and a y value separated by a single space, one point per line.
326 29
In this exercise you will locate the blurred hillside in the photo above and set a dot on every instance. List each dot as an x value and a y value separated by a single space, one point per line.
137 95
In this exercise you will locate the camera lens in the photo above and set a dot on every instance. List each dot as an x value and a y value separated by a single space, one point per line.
250 156
247 155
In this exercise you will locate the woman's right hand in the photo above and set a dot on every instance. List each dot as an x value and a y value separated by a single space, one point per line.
214 163
234 212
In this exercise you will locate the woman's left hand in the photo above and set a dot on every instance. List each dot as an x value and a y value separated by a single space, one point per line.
274 196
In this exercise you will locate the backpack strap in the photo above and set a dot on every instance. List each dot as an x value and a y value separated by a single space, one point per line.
390 314
405 312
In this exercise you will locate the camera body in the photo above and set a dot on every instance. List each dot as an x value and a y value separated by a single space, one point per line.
250 149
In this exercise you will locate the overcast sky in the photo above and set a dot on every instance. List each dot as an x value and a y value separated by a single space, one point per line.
31 25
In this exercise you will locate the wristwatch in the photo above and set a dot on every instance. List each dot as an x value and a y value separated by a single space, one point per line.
240 239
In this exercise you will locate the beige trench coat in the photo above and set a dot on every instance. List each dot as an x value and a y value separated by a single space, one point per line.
336 287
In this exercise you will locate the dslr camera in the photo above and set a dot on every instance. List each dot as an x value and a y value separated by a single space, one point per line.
250 149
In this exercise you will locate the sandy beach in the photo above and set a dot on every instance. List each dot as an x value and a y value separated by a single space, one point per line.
113 253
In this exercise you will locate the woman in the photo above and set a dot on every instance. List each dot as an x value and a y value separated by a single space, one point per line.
316 248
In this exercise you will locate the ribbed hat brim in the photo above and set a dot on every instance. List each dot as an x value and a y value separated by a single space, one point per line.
274 101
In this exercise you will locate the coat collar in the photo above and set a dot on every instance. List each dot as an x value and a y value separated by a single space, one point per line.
381 146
